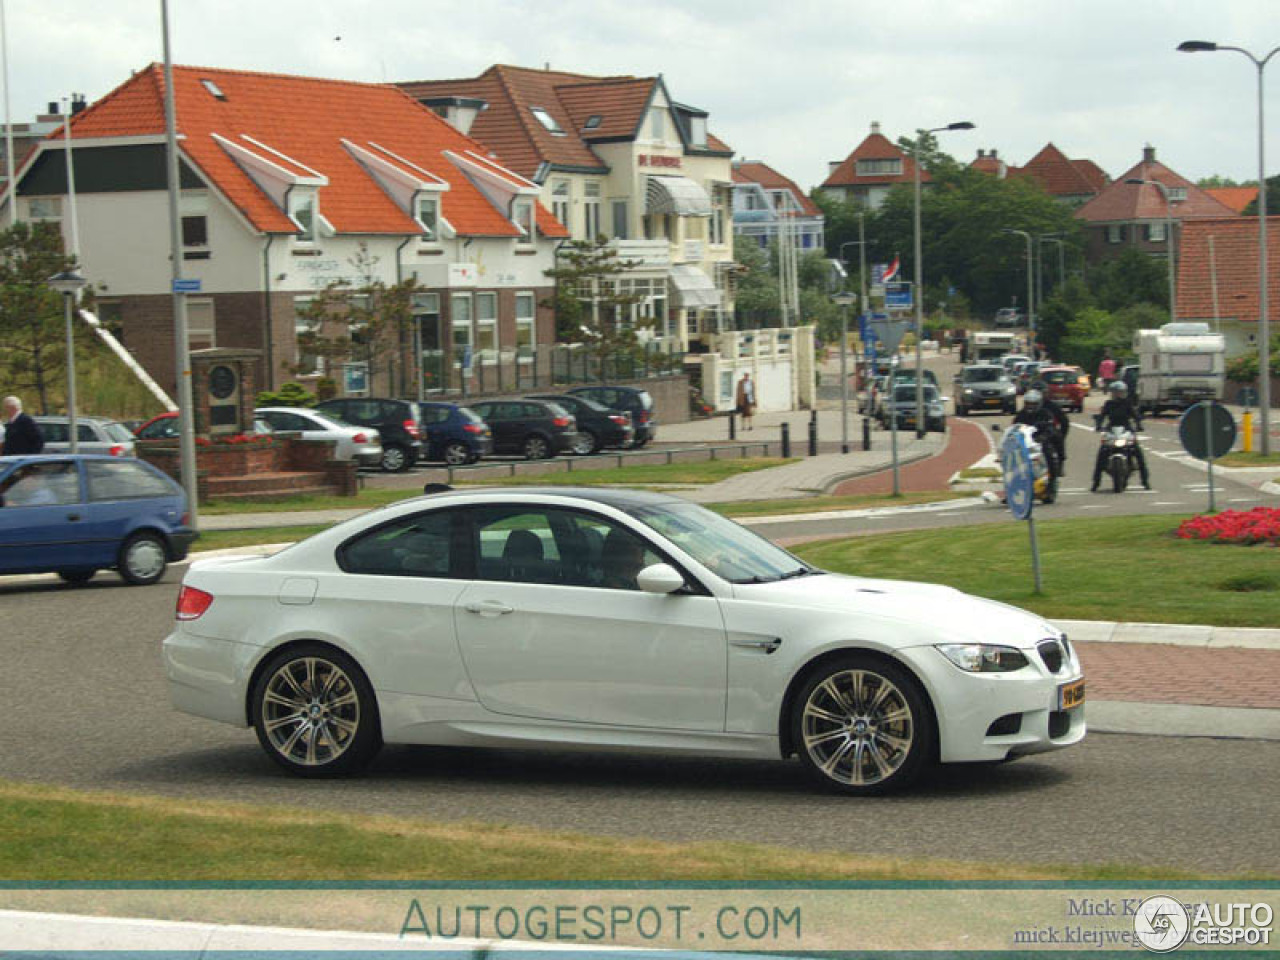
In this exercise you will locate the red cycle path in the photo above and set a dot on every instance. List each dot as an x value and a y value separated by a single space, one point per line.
966 445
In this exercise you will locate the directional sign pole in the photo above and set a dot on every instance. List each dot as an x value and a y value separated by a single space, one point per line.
1208 440
893 423
1208 445
1035 551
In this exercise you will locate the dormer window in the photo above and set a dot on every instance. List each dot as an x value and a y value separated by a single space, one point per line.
887 166
698 131
428 213
1177 194
213 89
522 214
302 208
593 122
547 120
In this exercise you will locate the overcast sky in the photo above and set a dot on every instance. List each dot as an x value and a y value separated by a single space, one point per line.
793 83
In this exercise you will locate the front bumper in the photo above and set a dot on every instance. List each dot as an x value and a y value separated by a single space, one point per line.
975 710
180 541
368 454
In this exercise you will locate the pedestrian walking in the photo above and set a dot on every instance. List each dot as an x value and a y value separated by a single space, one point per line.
746 400
21 434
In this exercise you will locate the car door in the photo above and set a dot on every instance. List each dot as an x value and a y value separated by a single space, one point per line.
121 495
42 520
435 427
548 629
501 418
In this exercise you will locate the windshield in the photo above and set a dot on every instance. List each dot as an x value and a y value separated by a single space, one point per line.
719 544
906 393
984 374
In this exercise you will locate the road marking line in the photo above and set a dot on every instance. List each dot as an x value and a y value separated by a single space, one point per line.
1170 503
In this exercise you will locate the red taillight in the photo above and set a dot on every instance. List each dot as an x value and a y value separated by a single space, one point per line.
186 519
473 428
118 450
411 428
192 603
617 418
560 422
360 438
644 416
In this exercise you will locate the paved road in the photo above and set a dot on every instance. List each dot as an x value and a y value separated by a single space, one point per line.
86 705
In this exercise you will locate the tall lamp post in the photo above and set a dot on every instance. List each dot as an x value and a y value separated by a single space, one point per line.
1168 229
69 284
1031 303
1264 325
919 270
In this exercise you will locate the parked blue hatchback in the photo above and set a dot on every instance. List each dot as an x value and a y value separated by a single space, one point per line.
75 515
454 434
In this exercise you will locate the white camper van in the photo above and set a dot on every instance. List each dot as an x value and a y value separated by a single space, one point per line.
1178 365
988 346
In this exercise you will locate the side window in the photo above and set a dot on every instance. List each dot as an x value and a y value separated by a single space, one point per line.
432 415
54 432
483 410
531 411
416 546
42 485
516 545
607 555
337 408
162 429
122 480
86 433
364 411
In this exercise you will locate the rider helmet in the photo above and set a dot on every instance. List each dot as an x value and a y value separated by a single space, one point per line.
1032 400
1119 389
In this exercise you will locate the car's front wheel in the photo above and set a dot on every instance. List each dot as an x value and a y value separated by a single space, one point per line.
456 454
315 712
143 559
536 448
395 459
861 726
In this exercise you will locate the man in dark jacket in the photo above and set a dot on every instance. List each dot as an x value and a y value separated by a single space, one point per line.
21 433
1119 411
1036 414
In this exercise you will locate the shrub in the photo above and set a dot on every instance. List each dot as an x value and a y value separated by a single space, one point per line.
291 394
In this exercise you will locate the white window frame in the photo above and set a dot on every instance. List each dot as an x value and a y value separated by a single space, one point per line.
523 216
526 326
562 201
301 325
1115 233
302 198
427 212
198 325
621 230
467 326
53 213
658 124
191 204
549 123
486 327
698 131
591 210
1177 194
1156 232
879 167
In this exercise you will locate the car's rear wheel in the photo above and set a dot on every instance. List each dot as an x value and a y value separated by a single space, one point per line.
143 559
315 712
585 444
861 726
395 459
536 448
456 454
77 576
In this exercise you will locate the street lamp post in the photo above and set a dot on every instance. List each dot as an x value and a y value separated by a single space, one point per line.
1264 325
1168 229
69 284
919 269
1031 303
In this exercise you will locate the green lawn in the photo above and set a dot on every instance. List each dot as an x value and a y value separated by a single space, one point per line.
762 508
224 539
1126 568
50 834
1239 458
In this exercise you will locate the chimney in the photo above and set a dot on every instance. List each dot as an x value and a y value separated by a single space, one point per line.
981 153
53 108
993 153
78 103
1148 154
875 126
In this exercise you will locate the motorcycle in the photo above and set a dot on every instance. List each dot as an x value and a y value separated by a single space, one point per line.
1118 445
1045 483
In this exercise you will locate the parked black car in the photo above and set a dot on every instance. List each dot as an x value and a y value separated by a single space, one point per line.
454 434
631 400
534 428
598 426
398 422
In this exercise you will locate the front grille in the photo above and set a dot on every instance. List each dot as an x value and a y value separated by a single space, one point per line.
1007 725
1051 653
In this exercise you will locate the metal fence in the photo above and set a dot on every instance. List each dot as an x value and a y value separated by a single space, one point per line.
548 366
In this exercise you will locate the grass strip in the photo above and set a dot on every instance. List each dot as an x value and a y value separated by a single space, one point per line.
54 833
255 536
1123 568
763 508
1238 458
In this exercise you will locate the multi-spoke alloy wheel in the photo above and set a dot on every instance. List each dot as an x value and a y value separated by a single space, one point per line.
861 726
314 712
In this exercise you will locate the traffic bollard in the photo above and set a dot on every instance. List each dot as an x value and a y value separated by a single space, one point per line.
733 427
786 441
813 437
866 433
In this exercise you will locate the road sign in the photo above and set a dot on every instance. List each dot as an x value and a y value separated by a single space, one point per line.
355 378
898 296
1019 479
1207 430
186 285
888 332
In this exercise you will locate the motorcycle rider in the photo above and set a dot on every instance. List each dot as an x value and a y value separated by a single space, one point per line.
1036 414
1119 411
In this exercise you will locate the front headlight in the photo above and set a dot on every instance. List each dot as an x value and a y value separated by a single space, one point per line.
968 391
983 657
1010 389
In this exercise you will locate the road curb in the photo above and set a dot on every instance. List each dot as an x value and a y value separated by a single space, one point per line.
1181 720
1170 634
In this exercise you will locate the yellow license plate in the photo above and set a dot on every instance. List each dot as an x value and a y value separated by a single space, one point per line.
1070 695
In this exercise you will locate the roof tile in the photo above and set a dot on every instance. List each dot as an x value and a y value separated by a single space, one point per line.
1235 261
1122 201
771 179
875 147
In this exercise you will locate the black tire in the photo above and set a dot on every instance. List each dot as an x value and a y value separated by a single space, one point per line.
343 712
537 447
1119 475
586 444
826 725
77 577
143 559
961 411
396 458
456 454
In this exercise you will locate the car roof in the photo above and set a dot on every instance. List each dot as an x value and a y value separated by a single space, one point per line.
68 456
57 417
612 496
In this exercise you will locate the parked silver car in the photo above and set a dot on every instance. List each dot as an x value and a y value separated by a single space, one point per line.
95 434
361 444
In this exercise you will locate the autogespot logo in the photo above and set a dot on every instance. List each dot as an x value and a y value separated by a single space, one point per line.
1161 924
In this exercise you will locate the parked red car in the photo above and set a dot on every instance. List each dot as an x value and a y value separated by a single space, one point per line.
1062 385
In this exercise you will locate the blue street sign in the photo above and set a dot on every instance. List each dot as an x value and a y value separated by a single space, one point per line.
897 295
186 285
862 328
1019 480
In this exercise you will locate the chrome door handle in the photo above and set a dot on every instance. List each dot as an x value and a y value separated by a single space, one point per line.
767 645
488 608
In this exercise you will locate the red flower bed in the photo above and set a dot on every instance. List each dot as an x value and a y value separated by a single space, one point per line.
1259 525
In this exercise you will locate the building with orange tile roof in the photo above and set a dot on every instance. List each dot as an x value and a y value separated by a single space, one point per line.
1237 198
765 202
290 185
1223 253
615 157
1074 182
1135 215
875 167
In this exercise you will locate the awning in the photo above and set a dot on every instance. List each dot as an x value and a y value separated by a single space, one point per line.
694 290
678 195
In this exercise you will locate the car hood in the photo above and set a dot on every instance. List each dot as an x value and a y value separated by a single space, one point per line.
949 613
984 384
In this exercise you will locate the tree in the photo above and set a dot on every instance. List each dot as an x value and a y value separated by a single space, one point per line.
1132 277
758 293
1273 199
592 304
1215 181
32 319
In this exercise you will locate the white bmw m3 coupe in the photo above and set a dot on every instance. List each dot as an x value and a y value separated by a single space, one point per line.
607 620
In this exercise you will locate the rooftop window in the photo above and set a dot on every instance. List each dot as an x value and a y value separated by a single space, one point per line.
213 89
593 122
547 120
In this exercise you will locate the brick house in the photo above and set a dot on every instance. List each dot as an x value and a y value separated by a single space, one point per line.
288 185
875 167
1225 250
1074 182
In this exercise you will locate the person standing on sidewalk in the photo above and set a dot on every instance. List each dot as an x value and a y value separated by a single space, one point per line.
21 434
746 400
1106 371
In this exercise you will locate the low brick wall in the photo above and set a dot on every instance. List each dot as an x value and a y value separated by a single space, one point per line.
281 454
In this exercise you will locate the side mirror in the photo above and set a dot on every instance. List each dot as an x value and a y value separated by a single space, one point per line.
659 578
995 428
